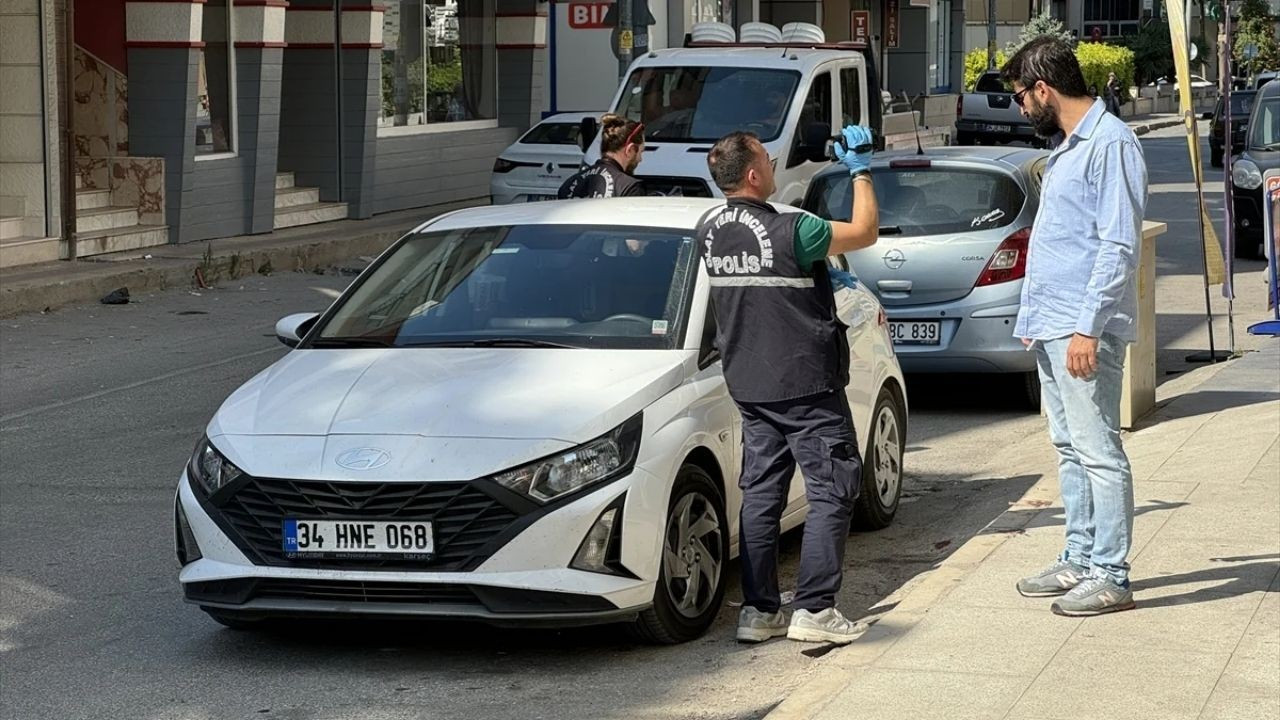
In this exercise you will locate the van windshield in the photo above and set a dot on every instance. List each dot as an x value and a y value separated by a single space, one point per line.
703 104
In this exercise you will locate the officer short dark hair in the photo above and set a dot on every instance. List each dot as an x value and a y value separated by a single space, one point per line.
1049 60
730 158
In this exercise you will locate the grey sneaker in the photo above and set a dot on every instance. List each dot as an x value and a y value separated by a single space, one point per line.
755 626
827 626
1094 596
1057 579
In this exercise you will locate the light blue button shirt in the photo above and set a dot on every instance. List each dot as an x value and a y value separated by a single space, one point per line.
1084 249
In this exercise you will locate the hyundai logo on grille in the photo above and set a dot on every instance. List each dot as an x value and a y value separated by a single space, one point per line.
894 259
364 459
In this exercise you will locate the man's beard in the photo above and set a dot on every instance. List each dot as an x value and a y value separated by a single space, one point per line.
1044 120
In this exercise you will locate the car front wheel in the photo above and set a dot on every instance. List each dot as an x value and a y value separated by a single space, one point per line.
882 466
695 552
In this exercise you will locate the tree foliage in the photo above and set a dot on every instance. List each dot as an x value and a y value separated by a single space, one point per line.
1256 28
1043 24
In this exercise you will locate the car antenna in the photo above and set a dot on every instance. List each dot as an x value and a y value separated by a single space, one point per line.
914 125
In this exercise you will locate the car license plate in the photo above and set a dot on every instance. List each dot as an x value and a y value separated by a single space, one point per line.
358 536
538 198
915 333
1000 128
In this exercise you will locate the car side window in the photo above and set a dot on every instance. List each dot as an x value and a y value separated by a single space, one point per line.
816 109
851 95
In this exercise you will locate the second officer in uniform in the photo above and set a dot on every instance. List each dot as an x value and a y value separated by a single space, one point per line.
621 147
786 363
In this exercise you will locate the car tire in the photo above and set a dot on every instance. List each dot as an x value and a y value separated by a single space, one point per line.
1249 248
882 466
964 138
668 622
1031 387
232 619
1215 157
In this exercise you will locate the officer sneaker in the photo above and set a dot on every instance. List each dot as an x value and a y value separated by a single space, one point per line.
827 626
1057 579
1094 596
755 626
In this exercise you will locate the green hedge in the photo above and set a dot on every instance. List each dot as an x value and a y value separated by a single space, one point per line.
1096 61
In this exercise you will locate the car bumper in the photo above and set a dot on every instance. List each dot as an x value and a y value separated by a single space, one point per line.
1018 132
976 334
526 581
504 193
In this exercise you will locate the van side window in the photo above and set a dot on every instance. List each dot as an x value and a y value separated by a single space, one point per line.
816 109
851 96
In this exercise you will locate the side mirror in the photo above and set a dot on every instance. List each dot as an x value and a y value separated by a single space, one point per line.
588 129
290 329
814 141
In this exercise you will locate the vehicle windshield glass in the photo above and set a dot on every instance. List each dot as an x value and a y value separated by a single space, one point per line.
558 133
589 286
703 104
991 83
927 201
1264 127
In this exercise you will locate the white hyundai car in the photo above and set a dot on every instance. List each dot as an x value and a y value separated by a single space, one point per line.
514 415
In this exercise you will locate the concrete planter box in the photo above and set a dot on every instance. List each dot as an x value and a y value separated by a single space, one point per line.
1143 106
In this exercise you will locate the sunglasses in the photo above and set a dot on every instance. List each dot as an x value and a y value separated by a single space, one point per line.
1019 96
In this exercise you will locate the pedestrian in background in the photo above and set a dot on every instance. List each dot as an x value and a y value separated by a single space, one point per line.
786 363
1078 308
621 149
1113 93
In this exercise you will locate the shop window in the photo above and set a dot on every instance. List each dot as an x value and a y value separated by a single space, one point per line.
698 11
439 63
215 82
1113 18
939 46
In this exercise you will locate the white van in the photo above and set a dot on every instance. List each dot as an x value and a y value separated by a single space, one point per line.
795 97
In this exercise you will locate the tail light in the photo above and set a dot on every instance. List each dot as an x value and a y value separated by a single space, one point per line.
506 166
1009 261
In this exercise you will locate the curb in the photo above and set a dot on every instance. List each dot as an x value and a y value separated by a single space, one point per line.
47 287
1141 130
918 597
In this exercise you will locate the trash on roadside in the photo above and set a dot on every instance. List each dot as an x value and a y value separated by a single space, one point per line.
119 296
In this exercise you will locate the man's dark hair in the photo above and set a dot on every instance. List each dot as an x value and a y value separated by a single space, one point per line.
1049 60
730 158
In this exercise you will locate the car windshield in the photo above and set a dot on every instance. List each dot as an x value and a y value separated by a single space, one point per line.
702 104
991 83
1264 128
927 201
579 286
557 133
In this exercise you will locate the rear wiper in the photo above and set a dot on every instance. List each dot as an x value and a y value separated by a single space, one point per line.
351 342
497 342
890 230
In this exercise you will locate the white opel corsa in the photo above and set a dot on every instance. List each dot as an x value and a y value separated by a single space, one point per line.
515 415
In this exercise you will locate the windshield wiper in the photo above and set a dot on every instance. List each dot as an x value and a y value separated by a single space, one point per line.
890 230
354 341
497 342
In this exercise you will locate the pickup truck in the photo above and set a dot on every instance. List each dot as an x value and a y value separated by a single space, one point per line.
988 115
793 96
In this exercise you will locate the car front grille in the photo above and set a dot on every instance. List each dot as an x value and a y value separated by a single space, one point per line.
466 521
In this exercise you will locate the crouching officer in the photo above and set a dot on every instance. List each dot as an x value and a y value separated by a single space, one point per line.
786 363
621 147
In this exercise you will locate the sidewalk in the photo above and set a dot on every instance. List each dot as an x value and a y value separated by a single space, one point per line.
33 288
1204 641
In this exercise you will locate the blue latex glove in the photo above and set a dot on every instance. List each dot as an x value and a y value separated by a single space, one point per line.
854 135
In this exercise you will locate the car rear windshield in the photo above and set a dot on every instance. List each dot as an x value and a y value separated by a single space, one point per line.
703 104
531 285
1264 128
927 201
991 83
559 133
1241 104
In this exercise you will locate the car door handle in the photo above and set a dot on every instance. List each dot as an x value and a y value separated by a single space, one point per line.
894 286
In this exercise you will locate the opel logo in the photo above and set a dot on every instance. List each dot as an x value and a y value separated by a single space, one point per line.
364 459
894 259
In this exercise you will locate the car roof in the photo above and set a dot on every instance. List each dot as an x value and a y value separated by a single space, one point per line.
1271 89
778 58
1009 156
656 212
569 117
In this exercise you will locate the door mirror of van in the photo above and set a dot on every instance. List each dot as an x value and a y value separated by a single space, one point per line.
815 142
587 131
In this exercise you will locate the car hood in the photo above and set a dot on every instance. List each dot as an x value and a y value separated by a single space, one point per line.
492 393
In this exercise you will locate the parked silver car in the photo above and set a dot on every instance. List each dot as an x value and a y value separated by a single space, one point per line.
955 226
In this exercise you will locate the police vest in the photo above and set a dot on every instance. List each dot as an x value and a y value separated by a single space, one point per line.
777 331
605 179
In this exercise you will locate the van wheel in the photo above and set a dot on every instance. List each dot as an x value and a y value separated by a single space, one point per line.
882 467
695 553
964 138
1215 157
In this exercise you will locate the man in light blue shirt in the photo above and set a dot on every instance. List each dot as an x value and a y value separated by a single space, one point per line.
1079 303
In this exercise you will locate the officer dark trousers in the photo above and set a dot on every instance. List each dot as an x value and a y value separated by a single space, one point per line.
817 433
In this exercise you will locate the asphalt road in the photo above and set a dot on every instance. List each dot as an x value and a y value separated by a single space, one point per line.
100 407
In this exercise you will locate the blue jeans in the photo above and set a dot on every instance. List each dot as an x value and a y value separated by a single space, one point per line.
1093 470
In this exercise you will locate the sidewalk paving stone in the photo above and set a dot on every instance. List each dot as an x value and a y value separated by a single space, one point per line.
996 641
933 696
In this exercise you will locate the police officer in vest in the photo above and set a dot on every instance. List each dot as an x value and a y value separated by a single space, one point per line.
621 147
786 363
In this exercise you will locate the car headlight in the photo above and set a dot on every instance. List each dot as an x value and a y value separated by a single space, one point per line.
1246 175
606 457
209 469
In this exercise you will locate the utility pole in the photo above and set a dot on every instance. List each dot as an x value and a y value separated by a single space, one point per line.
991 34
626 38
